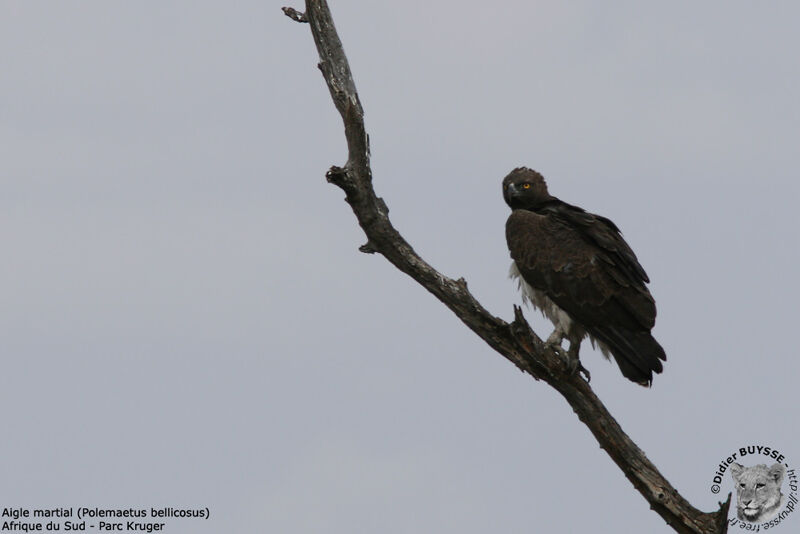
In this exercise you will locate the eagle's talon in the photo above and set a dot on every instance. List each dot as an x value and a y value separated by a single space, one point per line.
576 367
572 362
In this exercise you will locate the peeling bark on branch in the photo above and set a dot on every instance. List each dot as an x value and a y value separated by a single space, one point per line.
515 341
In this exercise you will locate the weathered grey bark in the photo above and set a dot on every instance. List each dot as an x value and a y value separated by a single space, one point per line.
515 341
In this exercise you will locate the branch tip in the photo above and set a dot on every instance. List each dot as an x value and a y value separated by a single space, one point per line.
336 175
519 318
368 248
722 514
292 13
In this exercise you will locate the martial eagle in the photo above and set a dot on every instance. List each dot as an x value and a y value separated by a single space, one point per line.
577 269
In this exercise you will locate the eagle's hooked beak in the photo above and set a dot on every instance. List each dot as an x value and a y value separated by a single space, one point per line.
511 192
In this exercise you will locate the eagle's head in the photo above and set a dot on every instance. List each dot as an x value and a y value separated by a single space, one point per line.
525 188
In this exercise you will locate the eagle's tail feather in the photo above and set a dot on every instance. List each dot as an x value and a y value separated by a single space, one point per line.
638 354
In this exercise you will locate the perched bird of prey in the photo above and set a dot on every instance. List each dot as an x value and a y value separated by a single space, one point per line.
577 269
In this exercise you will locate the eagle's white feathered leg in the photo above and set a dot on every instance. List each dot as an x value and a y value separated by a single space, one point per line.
557 337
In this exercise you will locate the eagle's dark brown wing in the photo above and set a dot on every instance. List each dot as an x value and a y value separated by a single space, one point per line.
582 263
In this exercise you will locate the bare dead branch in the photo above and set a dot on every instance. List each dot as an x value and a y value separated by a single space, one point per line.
294 14
515 341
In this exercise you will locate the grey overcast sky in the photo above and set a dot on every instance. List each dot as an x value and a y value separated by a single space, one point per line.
186 320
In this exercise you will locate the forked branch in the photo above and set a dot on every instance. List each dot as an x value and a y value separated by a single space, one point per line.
515 341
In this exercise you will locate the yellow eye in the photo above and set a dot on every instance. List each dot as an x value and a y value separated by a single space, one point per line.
526 186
